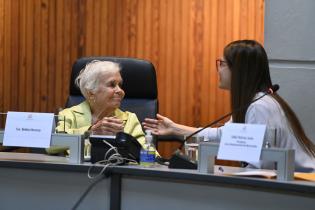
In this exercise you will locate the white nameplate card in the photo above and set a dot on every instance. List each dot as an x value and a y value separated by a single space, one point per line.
28 129
241 142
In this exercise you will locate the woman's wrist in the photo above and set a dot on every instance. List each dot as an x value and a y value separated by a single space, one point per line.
181 130
175 129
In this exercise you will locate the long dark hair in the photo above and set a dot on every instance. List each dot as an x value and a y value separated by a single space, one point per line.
249 66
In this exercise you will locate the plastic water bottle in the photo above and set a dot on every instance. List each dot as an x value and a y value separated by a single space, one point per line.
147 153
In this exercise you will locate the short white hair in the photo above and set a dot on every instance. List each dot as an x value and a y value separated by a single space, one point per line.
89 77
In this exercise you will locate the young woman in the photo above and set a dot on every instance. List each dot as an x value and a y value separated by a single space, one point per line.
244 71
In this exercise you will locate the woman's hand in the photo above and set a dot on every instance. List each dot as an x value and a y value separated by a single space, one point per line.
160 126
108 126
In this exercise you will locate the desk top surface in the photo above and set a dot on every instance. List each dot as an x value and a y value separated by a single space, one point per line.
54 163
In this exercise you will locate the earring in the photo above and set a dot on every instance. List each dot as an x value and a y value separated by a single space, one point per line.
92 99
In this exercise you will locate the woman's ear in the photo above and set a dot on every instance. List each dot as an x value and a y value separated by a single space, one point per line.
90 96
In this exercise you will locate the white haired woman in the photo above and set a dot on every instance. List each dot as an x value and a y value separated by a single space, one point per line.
100 83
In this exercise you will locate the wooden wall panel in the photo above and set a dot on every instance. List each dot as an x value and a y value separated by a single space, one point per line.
40 40
1 59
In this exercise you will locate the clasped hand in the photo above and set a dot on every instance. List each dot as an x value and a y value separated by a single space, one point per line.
107 126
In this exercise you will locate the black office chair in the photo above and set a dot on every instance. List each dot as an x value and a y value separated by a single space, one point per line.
139 84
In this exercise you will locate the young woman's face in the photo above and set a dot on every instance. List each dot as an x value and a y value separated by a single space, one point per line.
224 74
109 93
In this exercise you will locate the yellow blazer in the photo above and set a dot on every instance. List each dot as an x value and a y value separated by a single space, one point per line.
77 120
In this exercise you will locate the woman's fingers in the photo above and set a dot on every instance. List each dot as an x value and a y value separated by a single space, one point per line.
103 132
147 127
97 125
113 125
113 120
155 132
108 126
148 124
151 121
160 117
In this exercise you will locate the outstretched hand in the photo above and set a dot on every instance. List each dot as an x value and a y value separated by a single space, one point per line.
160 126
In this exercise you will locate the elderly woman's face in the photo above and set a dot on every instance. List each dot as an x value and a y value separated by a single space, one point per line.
109 93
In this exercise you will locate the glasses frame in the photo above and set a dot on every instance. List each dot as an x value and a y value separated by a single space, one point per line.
219 63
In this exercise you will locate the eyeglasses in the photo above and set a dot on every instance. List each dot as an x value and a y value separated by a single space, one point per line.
220 63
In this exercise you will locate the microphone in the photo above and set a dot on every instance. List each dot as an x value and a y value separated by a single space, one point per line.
274 88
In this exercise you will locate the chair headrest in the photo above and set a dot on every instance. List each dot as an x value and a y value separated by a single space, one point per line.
139 78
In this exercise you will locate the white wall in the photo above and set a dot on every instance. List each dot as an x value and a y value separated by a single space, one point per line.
290 45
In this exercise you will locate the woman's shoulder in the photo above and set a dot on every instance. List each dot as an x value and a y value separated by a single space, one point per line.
264 110
79 108
265 103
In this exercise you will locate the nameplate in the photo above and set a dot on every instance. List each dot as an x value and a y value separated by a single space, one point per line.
27 129
241 142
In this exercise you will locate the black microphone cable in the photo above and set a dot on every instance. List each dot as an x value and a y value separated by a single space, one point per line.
86 192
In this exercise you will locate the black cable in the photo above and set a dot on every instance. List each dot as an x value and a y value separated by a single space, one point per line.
162 161
86 192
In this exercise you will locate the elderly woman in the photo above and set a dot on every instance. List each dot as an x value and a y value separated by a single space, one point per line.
100 83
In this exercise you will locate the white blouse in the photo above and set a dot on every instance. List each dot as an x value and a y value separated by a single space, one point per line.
269 112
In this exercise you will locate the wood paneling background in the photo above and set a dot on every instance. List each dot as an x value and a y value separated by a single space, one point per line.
40 40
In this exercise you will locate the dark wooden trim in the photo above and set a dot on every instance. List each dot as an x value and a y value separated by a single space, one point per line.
115 192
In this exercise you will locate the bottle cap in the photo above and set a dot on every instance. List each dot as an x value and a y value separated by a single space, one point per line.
148 132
